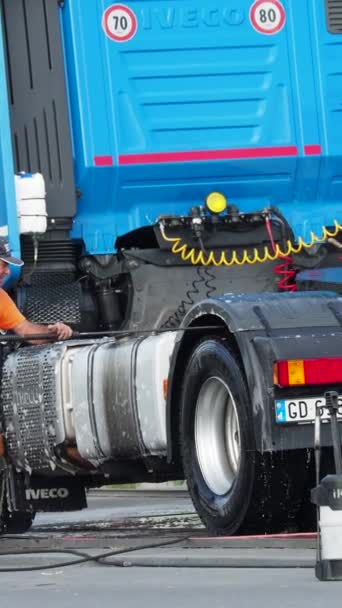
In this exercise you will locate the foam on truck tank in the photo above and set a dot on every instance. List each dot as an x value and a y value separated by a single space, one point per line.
31 203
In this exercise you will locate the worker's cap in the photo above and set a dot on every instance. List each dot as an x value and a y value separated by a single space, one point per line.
5 253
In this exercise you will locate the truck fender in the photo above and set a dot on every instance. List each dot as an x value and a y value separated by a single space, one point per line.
264 328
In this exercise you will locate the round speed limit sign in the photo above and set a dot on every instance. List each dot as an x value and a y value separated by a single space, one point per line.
267 16
119 23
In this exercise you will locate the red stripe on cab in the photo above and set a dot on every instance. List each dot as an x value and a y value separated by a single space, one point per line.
202 155
103 161
313 150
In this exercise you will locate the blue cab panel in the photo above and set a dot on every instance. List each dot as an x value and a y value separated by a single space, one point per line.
8 212
172 99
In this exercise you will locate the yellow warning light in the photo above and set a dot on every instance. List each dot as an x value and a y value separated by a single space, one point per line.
216 202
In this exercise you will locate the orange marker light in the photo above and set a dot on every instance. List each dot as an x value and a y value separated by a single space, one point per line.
296 372
2 446
165 388
276 374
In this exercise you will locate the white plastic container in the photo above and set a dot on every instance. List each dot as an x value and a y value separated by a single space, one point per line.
331 533
31 203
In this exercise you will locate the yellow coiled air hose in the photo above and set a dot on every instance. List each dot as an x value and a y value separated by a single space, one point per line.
210 258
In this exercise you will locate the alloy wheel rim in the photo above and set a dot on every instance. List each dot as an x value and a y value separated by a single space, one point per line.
217 435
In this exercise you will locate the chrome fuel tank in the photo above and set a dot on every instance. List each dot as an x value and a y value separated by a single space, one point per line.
106 397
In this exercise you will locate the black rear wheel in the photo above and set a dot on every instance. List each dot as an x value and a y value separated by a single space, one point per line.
233 487
16 522
12 522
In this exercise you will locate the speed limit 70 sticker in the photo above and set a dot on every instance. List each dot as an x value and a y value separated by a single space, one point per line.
267 16
119 23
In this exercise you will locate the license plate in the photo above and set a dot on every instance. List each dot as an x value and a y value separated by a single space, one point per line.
303 411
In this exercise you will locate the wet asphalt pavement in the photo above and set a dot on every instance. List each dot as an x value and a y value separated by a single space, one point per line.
194 571
126 509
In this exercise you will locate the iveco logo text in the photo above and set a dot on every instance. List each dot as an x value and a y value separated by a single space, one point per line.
46 493
190 17
27 397
337 494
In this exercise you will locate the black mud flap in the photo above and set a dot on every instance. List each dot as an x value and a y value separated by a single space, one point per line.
273 327
45 494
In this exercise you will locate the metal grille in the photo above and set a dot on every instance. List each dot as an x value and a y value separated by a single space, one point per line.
51 254
54 301
334 16
42 280
29 406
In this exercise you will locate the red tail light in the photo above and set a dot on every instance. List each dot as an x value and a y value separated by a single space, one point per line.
301 372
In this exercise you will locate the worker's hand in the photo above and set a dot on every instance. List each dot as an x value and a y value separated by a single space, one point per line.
60 330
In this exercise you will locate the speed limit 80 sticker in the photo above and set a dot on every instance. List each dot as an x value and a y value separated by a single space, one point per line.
267 16
119 23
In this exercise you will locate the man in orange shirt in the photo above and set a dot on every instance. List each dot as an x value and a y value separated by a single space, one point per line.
11 317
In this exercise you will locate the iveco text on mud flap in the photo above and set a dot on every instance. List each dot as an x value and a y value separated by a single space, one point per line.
48 495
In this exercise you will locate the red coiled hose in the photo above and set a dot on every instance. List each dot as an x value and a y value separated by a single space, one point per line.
285 269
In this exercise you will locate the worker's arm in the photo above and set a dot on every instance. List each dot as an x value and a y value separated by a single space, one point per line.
60 331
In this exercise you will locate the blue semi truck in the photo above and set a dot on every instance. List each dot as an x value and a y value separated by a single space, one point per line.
192 160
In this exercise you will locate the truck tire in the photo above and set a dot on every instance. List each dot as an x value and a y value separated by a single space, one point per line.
16 522
233 488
